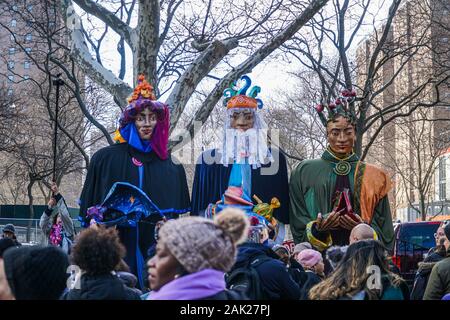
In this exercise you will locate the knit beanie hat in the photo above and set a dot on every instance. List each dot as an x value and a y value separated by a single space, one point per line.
279 247
309 258
199 243
302 246
36 273
9 228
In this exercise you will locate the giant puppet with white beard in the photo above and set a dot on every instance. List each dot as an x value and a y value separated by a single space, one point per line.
244 161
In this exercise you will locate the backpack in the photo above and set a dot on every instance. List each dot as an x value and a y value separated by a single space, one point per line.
419 286
246 279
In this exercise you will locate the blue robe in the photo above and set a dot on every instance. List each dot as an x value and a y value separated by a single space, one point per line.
163 181
211 181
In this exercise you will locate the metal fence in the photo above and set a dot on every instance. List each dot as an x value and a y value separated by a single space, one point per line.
21 226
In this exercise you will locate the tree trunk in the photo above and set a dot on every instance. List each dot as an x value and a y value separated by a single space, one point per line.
423 210
30 206
145 57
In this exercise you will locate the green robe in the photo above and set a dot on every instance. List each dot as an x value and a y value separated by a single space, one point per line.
312 185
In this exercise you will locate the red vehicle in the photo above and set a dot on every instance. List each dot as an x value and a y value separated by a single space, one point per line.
413 240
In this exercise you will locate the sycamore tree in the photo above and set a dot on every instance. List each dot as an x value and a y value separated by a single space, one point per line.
180 45
397 61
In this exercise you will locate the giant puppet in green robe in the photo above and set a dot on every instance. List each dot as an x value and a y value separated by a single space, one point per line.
317 185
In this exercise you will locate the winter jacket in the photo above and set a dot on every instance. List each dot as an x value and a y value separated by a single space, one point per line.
275 279
423 275
311 280
102 287
46 221
297 272
439 281
389 291
129 280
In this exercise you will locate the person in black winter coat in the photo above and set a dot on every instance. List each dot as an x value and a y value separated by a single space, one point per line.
97 252
435 255
294 268
276 281
312 262
423 274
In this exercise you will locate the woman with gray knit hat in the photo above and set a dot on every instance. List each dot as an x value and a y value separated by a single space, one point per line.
193 254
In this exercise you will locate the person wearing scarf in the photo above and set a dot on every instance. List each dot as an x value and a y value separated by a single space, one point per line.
193 254
139 157
331 195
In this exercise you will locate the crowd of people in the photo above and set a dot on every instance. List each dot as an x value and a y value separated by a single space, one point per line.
215 259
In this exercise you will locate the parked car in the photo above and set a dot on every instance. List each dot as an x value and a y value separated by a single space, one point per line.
413 240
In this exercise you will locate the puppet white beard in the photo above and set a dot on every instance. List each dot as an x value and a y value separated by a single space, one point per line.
250 145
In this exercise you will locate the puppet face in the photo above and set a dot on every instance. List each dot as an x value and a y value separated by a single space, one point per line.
163 267
5 290
145 123
341 136
242 120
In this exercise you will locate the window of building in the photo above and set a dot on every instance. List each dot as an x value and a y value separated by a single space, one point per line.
442 178
26 65
12 51
28 37
11 64
13 23
11 78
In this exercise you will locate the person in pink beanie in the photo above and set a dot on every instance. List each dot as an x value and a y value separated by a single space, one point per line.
312 261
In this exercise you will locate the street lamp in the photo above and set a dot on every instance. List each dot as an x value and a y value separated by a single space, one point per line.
58 83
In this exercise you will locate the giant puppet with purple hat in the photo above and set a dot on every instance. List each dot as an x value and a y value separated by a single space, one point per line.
332 194
244 163
122 178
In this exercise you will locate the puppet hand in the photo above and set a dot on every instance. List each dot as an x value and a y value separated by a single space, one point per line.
93 224
348 223
330 222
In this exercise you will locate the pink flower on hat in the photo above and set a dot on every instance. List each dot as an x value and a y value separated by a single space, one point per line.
308 258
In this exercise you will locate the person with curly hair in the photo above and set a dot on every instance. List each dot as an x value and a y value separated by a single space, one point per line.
363 274
192 256
97 252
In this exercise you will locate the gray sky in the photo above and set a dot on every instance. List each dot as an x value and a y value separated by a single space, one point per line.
272 75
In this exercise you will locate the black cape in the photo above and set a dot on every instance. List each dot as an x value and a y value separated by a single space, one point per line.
211 181
164 182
